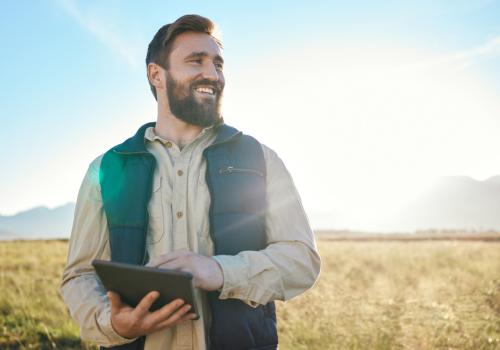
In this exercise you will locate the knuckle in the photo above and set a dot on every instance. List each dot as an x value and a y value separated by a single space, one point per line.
135 321
172 308
147 325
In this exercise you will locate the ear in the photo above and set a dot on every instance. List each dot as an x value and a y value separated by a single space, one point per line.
156 76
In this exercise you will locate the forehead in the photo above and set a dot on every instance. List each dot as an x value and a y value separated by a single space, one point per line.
189 42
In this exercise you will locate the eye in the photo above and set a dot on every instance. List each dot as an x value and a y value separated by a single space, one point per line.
196 60
219 65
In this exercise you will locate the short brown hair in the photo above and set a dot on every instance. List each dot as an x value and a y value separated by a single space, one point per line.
159 48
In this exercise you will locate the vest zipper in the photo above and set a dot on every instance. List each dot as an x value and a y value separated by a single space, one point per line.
232 169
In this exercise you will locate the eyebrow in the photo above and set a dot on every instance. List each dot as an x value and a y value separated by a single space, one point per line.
200 54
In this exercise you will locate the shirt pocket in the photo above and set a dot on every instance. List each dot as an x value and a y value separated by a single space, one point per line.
156 229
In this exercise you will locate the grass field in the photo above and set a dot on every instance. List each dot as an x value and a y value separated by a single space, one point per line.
370 295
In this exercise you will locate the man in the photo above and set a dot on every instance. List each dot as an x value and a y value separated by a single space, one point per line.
189 193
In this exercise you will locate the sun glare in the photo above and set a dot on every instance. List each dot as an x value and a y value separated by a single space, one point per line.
366 129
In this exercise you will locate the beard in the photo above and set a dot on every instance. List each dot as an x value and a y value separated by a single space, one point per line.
186 106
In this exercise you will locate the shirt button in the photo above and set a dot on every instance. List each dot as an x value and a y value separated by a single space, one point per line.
179 214
180 172
168 144
230 294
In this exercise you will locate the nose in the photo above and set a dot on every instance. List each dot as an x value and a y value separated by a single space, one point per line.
210 72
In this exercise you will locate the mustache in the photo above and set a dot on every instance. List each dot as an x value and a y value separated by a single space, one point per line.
217 86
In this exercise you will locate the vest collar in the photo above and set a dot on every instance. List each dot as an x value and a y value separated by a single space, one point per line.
225 133
136 143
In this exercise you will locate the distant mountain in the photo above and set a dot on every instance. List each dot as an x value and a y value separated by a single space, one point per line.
39 222
451 203
4 233
454 202
494 180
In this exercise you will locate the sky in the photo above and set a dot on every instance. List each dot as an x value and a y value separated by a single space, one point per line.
366 102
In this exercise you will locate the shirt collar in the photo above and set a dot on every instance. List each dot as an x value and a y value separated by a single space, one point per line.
151 136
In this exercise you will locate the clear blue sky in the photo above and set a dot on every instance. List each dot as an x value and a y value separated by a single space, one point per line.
73 85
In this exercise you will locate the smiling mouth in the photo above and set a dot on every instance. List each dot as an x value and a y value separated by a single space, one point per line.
205 90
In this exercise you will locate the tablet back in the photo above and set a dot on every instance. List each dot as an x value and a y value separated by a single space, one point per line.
133 282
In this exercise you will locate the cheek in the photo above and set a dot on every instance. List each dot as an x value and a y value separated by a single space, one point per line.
182 88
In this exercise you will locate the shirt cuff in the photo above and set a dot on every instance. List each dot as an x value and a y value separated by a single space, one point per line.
238 284
104 321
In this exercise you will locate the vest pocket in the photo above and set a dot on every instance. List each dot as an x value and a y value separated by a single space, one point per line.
240 189
155 209
235 170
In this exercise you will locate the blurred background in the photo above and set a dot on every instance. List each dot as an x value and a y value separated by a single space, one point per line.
386 113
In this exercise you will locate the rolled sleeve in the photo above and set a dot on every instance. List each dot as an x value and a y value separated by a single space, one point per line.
80 287
290 263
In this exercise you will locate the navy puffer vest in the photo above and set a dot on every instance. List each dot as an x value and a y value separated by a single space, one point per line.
236 178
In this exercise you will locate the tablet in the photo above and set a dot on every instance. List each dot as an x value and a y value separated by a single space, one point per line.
133 282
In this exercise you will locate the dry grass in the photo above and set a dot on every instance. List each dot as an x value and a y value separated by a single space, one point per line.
394 295
371 295
32 314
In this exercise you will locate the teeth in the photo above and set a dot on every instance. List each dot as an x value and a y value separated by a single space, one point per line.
206 90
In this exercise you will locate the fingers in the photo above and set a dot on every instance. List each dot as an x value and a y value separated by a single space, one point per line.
175 264
187 317
162 259
115 301
166 311
179 316
168 323
145 304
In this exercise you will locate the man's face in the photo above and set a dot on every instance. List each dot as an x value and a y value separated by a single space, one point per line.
194 79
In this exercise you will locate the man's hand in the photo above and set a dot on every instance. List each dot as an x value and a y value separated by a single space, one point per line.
132 322
207 274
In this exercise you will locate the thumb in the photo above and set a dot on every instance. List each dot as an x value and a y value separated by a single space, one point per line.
115 301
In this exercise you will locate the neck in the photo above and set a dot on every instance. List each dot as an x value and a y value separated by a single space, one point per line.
169 127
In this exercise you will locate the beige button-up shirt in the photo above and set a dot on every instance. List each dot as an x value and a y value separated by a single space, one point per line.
178 219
